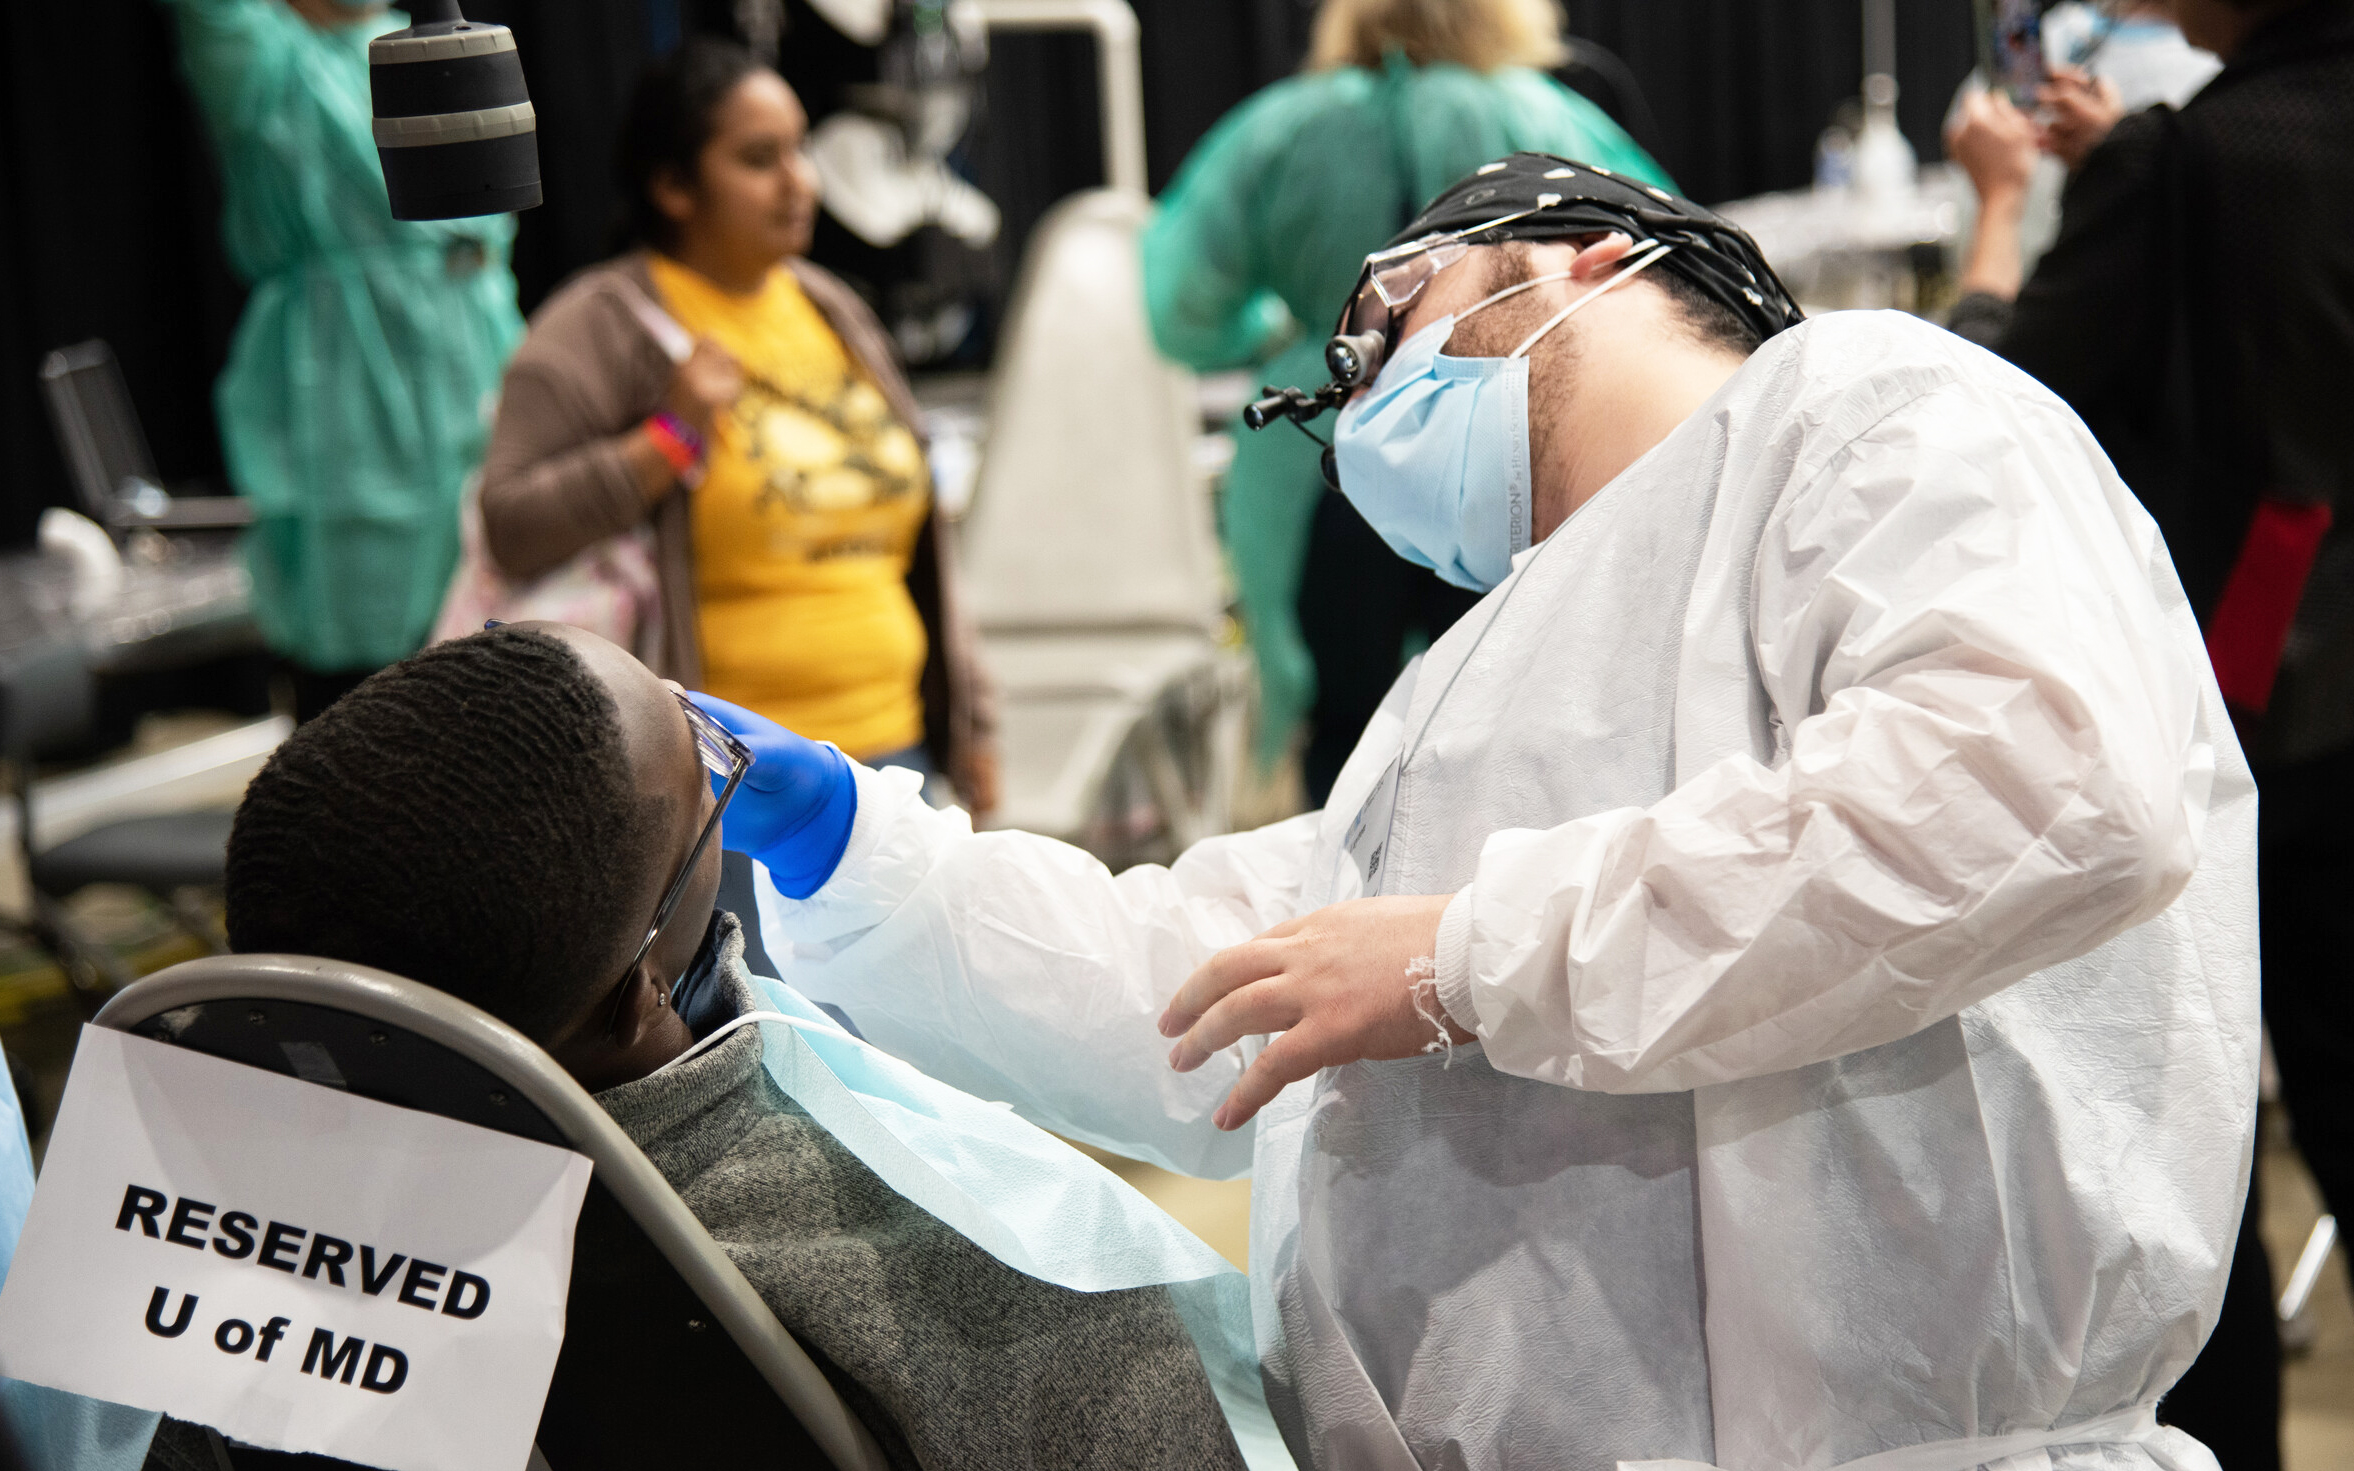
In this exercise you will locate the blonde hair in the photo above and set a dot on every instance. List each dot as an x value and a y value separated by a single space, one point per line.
1480 34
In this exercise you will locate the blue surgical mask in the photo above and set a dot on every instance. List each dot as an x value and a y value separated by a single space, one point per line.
1434 455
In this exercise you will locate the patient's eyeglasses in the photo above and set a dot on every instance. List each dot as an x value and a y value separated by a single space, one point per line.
724 756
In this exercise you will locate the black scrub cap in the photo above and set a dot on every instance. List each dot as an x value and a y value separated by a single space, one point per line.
1710 251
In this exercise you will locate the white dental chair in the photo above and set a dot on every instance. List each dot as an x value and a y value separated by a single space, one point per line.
1090 562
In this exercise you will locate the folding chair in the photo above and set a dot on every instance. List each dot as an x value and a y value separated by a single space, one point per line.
670 1358
1090 562
106 450
47 700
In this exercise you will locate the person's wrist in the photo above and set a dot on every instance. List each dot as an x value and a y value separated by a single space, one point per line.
680 443
2003 199
1451 965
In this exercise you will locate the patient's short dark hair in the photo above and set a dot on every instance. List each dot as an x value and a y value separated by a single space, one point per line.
466 818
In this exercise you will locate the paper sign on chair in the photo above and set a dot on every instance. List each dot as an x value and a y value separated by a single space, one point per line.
296 1267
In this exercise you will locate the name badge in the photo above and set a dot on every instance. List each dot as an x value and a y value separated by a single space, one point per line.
1369 836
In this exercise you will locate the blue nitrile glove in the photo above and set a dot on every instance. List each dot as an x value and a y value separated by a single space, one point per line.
794 810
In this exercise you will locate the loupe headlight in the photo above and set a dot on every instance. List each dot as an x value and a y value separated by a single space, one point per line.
1390 281
1353 358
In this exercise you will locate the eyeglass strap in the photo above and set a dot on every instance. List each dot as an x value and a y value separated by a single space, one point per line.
1530 283
1618 280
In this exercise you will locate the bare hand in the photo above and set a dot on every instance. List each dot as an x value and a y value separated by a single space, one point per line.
707 382
1339 985
2079 111
1995 143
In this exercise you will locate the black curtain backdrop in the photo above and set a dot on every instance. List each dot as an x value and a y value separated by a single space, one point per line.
109 201
107 209
110 211
1741 88
579 58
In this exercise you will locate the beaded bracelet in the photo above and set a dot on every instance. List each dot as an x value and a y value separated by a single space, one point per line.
679 444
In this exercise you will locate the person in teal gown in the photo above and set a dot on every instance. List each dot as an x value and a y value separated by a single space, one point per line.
358 393
1255 244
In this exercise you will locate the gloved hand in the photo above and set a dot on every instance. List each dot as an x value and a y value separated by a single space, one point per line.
794 810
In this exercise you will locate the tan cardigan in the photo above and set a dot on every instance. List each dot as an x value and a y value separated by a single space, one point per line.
555 481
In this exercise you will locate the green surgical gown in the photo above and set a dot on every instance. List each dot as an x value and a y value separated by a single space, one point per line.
1261 235
359 386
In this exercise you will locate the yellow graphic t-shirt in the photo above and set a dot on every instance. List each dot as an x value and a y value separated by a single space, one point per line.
810 505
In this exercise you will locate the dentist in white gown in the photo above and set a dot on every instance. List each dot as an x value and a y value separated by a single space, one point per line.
1775 986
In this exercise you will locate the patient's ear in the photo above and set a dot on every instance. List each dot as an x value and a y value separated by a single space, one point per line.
644 1007
646 1033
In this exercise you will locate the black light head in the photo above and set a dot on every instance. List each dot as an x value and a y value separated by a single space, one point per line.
1353 358
454 125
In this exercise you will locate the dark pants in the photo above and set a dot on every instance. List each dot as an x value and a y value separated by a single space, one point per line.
2305 874
2305 879
1359 602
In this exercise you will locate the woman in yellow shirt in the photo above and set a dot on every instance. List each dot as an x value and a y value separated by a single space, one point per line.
798 547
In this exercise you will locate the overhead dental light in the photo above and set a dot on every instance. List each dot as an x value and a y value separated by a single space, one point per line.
454 125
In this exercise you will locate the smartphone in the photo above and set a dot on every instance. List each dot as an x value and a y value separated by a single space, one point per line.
2010 47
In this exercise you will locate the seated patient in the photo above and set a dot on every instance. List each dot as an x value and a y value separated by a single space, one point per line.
499 817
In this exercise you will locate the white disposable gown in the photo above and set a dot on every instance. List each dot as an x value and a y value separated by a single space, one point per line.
1854 875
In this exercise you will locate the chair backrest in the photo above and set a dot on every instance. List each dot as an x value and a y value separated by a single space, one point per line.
1091 511
98 431
670 1357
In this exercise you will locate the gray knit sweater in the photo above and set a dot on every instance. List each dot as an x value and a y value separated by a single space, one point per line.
970 1362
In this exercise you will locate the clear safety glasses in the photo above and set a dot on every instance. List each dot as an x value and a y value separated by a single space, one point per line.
724 756
1392 279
